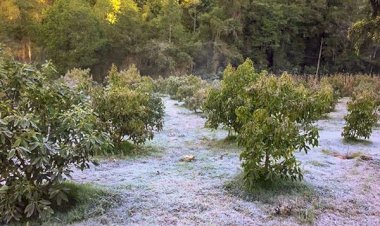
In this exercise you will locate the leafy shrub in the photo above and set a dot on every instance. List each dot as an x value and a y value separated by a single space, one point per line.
193 92
172 85
160 85
196 101
362 116
345 85
79 79
368 84
276 121
342 84
221 104
190 89
324 98
45 129
190 84
85 201
128 106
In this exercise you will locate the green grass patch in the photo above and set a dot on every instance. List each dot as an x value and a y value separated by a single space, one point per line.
230 139
280 197
185 166
318 164
348 155
85 201
325 116
229 143
327 152
353 141
268 192
128 150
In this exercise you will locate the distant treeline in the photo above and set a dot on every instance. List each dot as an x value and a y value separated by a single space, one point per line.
163 37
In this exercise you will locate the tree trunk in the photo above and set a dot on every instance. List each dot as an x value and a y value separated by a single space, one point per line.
319 59
195 20
215 58
267 161
372 59
270 58
23 56
170 33
29 47
375 7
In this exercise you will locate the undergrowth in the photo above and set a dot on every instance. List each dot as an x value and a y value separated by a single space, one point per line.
128 150
86 201
296 198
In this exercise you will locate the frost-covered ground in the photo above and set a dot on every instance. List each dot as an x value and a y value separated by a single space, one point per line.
161 190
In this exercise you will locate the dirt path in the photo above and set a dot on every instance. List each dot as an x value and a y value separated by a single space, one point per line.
161 190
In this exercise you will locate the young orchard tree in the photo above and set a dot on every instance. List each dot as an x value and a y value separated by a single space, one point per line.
362 116
276 121
45 129
323 98
128 106
221 104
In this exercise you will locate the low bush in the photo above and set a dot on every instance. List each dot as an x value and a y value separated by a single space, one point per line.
276 121
128 107
346 85
343 85
221 103
160 85
85 201
196 101
324 98
79 80
171 85
190 89
362 116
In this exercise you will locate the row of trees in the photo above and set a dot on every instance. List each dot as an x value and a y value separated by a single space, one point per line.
273 116
363 109
195 36
48 125
190 89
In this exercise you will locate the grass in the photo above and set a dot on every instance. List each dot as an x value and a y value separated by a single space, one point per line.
268 192
347 155
86 201
185 166
327 152
299 197
127 150
354 141
307 215
318 164
229 143
325 116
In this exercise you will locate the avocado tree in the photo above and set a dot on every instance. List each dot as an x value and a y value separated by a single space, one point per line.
128 107
276 121
221 104
362 116
46 128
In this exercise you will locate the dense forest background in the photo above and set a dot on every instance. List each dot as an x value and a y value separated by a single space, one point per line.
163 37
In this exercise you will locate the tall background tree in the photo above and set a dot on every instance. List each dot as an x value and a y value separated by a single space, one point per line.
72 35
19 22
366 35
163 37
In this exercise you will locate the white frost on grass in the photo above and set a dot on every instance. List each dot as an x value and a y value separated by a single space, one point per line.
160 190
